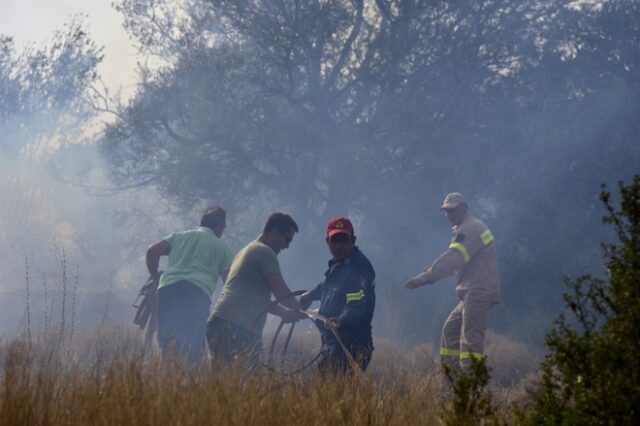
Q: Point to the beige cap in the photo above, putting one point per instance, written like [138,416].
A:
[453,200]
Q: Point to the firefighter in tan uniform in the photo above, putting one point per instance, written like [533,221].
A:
[471,256]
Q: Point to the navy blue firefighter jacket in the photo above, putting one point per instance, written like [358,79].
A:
[348,293]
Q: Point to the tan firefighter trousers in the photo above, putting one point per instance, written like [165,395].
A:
[463,333]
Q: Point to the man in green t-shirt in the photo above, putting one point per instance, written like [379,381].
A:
[197,258]
[235,326]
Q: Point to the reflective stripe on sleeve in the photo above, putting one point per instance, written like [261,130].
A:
[462,249]
[449,352]
[467,355]
[352,297]
[486,237]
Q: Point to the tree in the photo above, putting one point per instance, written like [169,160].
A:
[42,90]
[591,374]
[377,109]
[42,108]
[337,80]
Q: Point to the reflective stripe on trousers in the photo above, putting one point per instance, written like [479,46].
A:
[462,355]
[463,332]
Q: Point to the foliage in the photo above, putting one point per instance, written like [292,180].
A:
[46,217]
[471,402]
[377,109]
[592,373]
[42,90]
[43,110]
[368,87]
[270,87]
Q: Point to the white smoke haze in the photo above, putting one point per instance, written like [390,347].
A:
[45,218]
[52,223]
[527,121]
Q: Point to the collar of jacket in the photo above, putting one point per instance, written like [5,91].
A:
[467,217]
[347,260]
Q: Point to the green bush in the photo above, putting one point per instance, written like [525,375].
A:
[592,373]
[471,402]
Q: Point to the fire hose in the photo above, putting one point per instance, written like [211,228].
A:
[146,305]
[146,317]
[315,316]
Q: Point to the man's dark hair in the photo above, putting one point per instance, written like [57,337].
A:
[280,221]
[212,216]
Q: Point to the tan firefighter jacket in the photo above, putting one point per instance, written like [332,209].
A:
[471,256]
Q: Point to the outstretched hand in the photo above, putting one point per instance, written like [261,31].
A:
[412,283]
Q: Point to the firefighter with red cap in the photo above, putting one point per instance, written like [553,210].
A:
[347,301]
[471,257]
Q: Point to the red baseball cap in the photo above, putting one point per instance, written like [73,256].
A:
[339,225]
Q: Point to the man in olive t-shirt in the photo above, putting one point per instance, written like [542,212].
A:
[235,327]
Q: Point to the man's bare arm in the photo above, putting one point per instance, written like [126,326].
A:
[281,291]
[161,248]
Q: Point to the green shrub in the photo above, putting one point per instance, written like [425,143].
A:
[592,373]
[471,402]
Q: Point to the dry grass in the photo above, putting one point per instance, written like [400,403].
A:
[130,389]
[106,378]
[510,361]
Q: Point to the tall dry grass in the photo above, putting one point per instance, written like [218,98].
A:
[106,378]
[134,389]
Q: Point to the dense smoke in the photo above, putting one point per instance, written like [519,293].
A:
[371,109]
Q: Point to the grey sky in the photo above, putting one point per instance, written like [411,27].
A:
[34,21]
